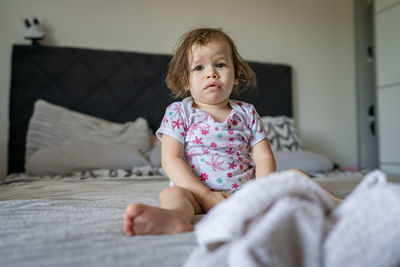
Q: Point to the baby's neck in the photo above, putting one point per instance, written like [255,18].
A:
[218,112]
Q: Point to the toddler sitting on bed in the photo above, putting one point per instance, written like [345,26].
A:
[207,138]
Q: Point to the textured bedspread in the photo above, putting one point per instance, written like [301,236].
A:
[74,222]
[77,220]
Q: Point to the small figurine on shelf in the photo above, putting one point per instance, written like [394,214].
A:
[33,30]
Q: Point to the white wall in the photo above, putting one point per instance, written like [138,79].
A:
[315,37]
[387,22]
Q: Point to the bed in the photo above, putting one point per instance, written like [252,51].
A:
[81,149]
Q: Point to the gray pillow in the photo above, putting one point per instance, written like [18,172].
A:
[282,133]
[155,155]
[307,161]
[55,126]
[71,157]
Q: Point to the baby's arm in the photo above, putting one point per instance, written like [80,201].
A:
[263,158]
[173,163]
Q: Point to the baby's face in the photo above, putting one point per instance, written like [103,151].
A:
[211,73]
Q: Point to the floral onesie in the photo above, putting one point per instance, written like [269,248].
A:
[219,153]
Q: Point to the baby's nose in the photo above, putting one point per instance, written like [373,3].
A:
[212,74]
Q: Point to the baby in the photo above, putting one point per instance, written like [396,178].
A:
[211,145]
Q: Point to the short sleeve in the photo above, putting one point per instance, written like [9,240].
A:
[255,125]
[173,123]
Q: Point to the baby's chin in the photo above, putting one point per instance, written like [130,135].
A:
[208,103]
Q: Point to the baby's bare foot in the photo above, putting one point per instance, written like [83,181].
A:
[147,220]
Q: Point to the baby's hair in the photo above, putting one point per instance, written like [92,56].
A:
[178,70]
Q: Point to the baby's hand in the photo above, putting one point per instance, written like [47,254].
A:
[211,199]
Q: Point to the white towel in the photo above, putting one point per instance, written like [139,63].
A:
[286,219]
[275,221]
[367,232]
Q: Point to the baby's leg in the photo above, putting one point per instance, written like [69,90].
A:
[175,215]
[331,195]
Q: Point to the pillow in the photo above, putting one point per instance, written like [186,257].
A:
[281,133]
[55,126]
[307,161]
[72,157]
[155,154]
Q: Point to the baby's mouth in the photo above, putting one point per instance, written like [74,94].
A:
[212,86]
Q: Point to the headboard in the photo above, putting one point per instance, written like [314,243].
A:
[113,85]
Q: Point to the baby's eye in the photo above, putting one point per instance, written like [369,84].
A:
[220,65]
[198,68]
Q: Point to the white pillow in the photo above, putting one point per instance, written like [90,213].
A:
[54,126]
[307,161]
[282,133]
[69,158]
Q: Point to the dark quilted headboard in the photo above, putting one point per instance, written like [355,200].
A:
[113,85]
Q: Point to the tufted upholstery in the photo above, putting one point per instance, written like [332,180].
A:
[113,85]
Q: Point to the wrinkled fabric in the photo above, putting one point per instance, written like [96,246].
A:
[286,219]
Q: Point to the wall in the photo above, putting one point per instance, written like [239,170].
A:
[315,37]
[387,22]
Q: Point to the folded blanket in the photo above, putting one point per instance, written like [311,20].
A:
[288,220]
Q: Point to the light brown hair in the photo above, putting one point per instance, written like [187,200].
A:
[178,70]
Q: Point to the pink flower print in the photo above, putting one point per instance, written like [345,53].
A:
[193,166]
[205,151]
[204,131]
[229,175]
[234,122]
[227,144]
[178,108]
[208,126]
[215,165]
[203,177]
[198,141]
[213,145]
[231,139]
[195,126]
[232,165]
[230,151]
[176,124]
[239,103]
[241,166]
[230,132]
[235,186]
[216,128]
[183,133]
[193,156]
